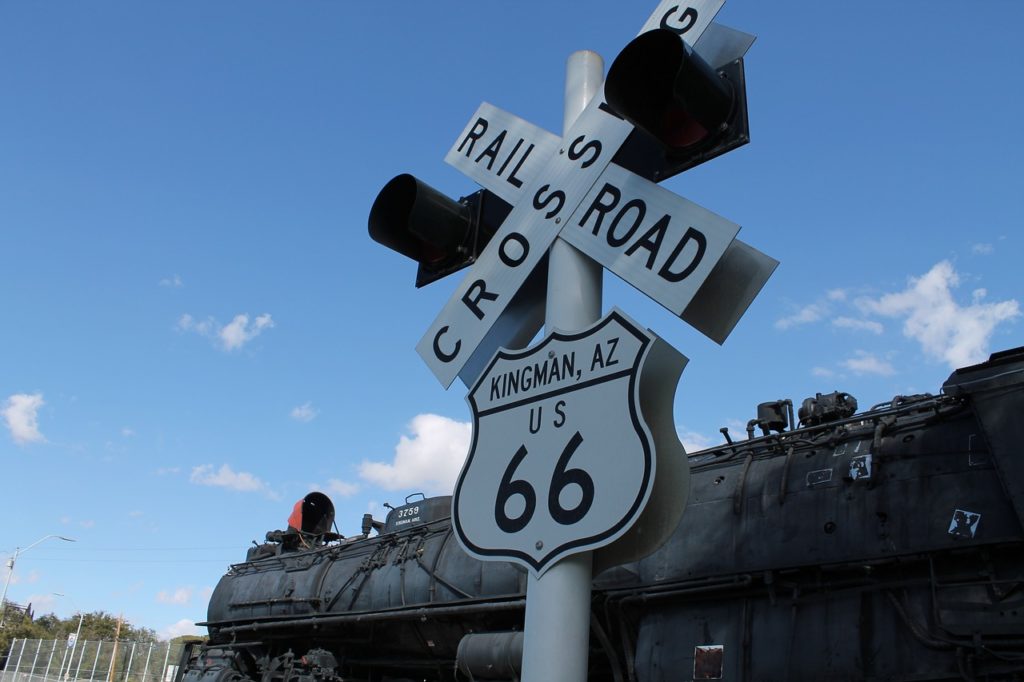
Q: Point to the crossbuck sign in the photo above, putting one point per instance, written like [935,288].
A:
[685,257]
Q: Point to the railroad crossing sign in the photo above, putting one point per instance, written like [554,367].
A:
[570,437]
[685,257]
[563,457]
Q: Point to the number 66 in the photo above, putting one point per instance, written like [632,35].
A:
[560,479]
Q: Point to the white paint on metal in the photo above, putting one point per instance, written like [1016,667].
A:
[688,19]
[521,242]
[720,45]
[502,152]
[562,458]
[661,243]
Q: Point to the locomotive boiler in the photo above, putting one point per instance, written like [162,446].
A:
[833,544]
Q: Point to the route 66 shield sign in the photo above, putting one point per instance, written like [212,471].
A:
[562,459]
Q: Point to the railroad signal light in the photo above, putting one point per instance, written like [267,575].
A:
[442,235]
[689,111]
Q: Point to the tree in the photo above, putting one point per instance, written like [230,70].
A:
[98,625]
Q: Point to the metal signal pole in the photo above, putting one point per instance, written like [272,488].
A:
[557,628]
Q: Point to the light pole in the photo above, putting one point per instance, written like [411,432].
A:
[74,643]
[10,570]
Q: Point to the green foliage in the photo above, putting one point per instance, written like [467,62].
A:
[187,639]
[98,625]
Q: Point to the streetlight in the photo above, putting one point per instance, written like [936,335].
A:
[74,643]
[10,570]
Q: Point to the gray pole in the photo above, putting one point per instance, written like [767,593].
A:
[35,657]
[96,661]
[74,646]
[557,628]
[49,661]
[7,664]
[145,670]
[10,570]
[131,659]
[78,670]
[167,656]
[21,652]
[7,583]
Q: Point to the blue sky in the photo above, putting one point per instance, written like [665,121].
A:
[197,330]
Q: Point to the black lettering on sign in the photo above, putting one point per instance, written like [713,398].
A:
[577,151]
[540,204]
[700,241]
[540,415]
[686,19]
[512,179]
[631,217]
[641,210]
[600,360]
[508,488]
[472,302]
[651,241]
[440,354]
[560,411]
[562,479]
[612,344]
[512,155]
[508,255]
[610,195]
[474,134]
[491,152]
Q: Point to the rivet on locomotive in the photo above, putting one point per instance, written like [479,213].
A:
[886,544]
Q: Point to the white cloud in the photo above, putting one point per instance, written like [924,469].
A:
[127,432]
[41,602]
[174,281]
[181,595]
[226,477]
[982,249]
[20,414]
[187,323]
[693,441]
[946,330]
[136,514]
[86,523]
[822,372]
[342,488]
[164,471]
[231,336]
[836,294]
[239,332]
[809,313]
[21,577]
[866,363]
[858,325]
[304,412]
[182,627]
[429,460]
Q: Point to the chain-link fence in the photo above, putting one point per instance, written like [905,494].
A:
[39,660]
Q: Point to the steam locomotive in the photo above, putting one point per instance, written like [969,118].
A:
[886,544]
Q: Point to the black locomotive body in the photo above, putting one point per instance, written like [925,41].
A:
[881,545]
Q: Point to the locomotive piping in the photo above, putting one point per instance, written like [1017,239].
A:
[371,616]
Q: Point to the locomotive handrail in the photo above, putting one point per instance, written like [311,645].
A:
[490,604]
